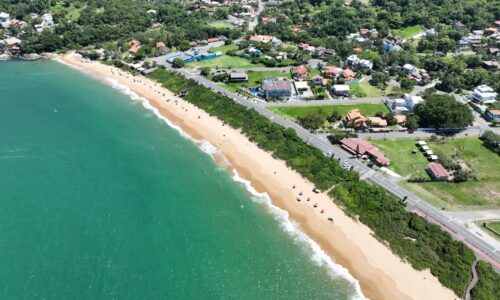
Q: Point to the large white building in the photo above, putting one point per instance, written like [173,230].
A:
[4,19]
[484,94]
[404,106]
[47,22]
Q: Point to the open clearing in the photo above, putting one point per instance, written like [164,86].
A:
[408,32]
[481,193]
[292,112]
[224,62]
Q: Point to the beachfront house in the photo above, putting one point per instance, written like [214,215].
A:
[361,147]
[437,172]
[484,94]
[276,88]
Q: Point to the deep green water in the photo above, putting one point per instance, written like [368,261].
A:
[100,199]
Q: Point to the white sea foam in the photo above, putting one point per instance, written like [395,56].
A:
[319,256]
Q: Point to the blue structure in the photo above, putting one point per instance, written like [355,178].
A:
[190,56]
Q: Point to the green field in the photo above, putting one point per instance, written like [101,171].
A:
[224,48]
[224,62]
[481,193]
[292,112]
[256,78]
[364,89]
[494,227]
[71,12]
[408,32]
[221,24]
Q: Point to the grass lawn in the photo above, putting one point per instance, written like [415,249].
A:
[480,193]
[312,72]
[292,112]
[224,48]
[256,78]
[224,62]
[221,24]
[409,31]
[364,89]
[235,89]
[71,13]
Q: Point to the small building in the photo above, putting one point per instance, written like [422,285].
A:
[437,172]
[359,146]
[484,94]
[377,121]
[331,71]
[348,74]
[135,45]
[400,119]
[493,114]
[238,77]
[403,106]
[342,90]
[276,88]
[421,143]
[317,79]
[433,157]
[212,40]
[300,72]
[354,118]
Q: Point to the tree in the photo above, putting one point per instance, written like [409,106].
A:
[407,84]
[391,120]
[205,71]
[335,116]
[441,111]
[313,120]
[412,122]
[491,141]
[178,63]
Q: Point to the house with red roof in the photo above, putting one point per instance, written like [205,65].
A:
[354,119]
[331,71]
[359,146]
[437,171]
[348,74]
[300,72]
[135,45]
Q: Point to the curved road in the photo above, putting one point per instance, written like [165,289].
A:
[482,248]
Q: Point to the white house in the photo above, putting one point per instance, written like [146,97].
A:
[404,106]
[484,94]
[354,61]
[4,19]
[47,22]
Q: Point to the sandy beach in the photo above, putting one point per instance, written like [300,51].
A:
[381,274]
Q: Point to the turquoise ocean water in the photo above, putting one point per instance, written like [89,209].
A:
[100,199]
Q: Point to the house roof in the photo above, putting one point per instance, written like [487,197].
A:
[438,170]
[160,45]
[494,111]
[276,84]
[301,70]
[348,73]
[361,147]
[212,40]
[377,121]
[354,115]
[400,118]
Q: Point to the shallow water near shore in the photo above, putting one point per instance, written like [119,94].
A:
[100,199]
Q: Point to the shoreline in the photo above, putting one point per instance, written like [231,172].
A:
[381,274]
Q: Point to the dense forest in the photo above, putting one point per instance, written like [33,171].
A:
[421,243]
[103,21]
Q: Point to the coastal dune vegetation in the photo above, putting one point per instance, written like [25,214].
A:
[424,245]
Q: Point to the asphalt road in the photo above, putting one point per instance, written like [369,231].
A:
[481,247]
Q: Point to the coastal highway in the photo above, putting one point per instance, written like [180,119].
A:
[481,247]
